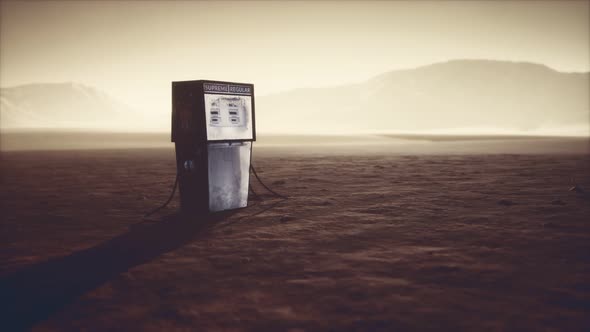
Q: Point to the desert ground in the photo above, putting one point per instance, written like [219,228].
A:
[452,236]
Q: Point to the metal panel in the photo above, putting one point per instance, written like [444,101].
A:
[229,165]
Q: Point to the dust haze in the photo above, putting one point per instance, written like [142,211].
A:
[318,67]
[424,166]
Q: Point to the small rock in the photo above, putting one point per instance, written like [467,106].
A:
[577,189]
[255,197]
[505,202]
[286,218]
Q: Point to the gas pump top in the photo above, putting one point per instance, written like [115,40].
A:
[212,111]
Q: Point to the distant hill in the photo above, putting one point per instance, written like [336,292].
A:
[502,97]
[452,95]
[63,105]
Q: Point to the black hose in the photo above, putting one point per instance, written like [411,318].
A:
[167,202]
[251,189]
[264,185]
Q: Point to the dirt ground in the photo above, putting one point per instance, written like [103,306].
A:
[375,242]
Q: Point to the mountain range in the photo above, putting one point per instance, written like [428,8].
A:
[516,96]
[482,94]
[64,106]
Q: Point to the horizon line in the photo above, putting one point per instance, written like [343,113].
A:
[514,62]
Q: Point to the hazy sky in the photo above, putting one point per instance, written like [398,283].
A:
[133,50]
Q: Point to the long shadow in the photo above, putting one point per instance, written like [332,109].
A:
[33,294]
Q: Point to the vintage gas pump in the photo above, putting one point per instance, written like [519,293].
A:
[213,129]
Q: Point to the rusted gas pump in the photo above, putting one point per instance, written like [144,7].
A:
[213,129]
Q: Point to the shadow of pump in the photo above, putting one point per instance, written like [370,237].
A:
[34,293]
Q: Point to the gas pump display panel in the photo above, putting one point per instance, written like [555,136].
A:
[228,111]
[228,117]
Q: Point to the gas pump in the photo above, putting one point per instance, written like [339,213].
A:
[213,129]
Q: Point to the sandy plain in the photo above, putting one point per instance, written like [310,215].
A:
[372,238]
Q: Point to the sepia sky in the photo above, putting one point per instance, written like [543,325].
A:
[133,50]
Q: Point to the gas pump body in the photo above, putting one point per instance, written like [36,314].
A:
[213,129]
